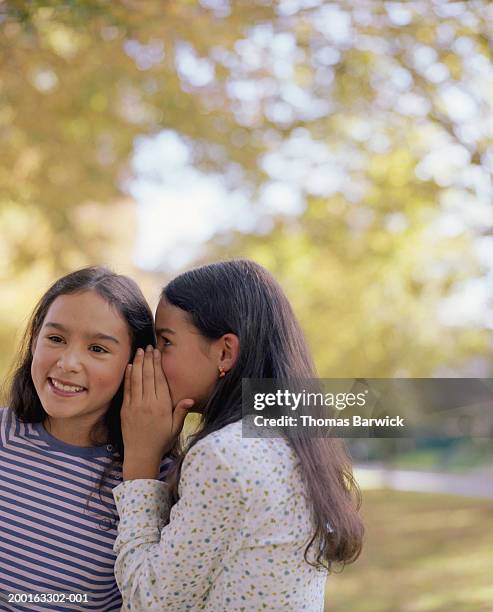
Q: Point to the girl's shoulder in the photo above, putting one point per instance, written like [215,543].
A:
[232,446]
[6,416]
[14,433]
[9,418]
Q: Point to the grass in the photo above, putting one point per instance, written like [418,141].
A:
[422,553]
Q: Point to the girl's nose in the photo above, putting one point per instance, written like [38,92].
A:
[69,361]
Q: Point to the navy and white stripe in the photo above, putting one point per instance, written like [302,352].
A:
[56,530]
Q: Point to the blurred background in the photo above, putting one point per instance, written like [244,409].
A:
[347,146]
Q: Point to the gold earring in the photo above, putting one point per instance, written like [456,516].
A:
[222,373]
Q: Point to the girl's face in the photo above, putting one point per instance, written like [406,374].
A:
[189,361]
[79,357]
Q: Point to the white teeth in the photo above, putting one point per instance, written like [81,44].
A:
[68,388]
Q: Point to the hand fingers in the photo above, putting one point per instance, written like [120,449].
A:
[127,388]
[179,414]
[148,390]
[136,376]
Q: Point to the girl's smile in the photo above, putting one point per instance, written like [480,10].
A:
[65,389]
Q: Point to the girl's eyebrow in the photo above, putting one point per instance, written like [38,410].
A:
[97,335]
[166,330]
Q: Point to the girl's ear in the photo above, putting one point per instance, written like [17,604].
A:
[229,351]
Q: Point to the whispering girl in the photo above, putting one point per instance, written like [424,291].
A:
[244,523]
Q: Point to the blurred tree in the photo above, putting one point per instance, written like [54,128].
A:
[387,148]
[373,119]
[79,81]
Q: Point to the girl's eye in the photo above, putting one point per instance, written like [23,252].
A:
[165,341]
[55,339]
[98,349]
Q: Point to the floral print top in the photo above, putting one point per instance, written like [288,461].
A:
[235,540]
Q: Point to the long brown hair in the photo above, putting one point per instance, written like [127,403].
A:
[241,297]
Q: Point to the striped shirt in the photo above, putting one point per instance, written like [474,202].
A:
[56,531]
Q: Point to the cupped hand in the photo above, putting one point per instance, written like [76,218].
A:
[150,424]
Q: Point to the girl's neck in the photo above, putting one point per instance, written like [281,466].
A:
[77,434]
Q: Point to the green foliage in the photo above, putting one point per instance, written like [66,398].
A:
[80,81]
[344,102]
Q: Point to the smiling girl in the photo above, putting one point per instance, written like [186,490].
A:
[61,445]
[255,523]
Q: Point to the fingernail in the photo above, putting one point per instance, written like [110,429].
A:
[140,351]
[156,353]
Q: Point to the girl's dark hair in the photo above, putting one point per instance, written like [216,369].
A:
[242,298]
[125,296]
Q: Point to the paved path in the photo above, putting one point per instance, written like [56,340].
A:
[477,483]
